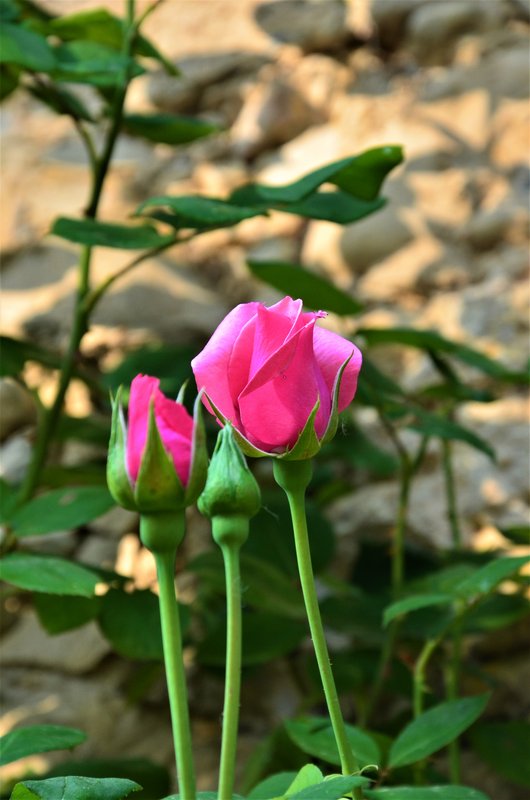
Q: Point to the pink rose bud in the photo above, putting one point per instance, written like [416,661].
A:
[158,461]
[278,378]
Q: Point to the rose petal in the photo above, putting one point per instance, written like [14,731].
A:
[210,367]
[175,426]
[331,351]
[142,389]
[277,402]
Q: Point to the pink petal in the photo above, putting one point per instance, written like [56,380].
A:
[331,351]
[210,367]
[173,421]
[277,402]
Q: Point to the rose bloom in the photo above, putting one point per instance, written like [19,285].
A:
[264,370]
[173,421]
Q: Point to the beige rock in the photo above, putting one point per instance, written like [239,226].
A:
[15,456]
[310,24]
[17,408]
[510,138]
[273,113]
[363,243]
[73,652]
[434,28]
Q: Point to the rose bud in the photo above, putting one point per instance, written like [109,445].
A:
[157,462]
[278,378]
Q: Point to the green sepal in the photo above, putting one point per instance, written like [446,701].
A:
[199,454]
[333,423]
[247,447]
[231,489]
[158,487]
[118,479]
[307,445]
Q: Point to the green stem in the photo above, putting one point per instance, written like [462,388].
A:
[450,493]
[452,690]
[398,551]
[233,671]
[294,477]
[175,675]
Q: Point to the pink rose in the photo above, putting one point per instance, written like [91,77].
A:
[174,424]
[265,370]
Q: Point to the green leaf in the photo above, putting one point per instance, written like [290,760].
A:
[360,176]
[430,340]
[153,777]
[316,292]
[24,742]
[8,11]
[487,577]
[75,788]
[430,424]
[435,728]
[9,80]
[425,793]
[265,636]
[330,789]
[61,509]
[520,534]
[193,211]
[314,735]
[273,786]
[170,363]
[168,128]
[61,101]
[95,430]
[413,603]
[105,234]
[98,25]
[56,616]
[309,775]
[49,574]
[505,747]
[131,622]
[336,207]
[92,63]
[15,353]
[20,46]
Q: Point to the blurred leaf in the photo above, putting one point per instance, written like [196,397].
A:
[354,447]
[430,424]
[360,176]
[413,603]
[167,128]
[336,207]
[55,476]
[15,353]
[9,79]
[430,340]
[265,637]
[152,777]
[8,500]
[131,622]
[505,747]
[271,536]
[425,793]
[487,577]
[375,384]
[24,742]
[456,391]
[105,234]
[194,211]
[170,363]
[75,788]
[61,509]
[357,614]
[98,25]
[498,611]
[20,46]
[48,574]
[316,292]
[95,430]
[56,616]
[273,786]
[60,100]
[314,735]
[92,63]
[520,534]
[8,11]
[435,728]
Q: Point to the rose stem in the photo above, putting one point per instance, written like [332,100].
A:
[175,675]
[293,477]
[230,553]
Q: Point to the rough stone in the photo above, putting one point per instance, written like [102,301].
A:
[74,652]
[310,24]
[15,455]
[18,408]
[434,28]
[390,18]
[274,112]
[509,147]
